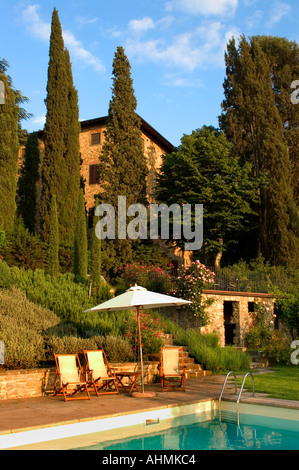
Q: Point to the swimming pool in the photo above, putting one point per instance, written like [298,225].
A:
[210,435]
[255,432]
[192,426]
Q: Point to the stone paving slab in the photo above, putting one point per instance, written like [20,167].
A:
[32,413]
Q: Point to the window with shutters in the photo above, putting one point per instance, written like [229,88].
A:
[94,177]
[95,139]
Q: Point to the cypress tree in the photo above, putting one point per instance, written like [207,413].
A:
[80,242]
[27,182]
[54,170]
[9,146]
[61,163]
[53,247]
[72,154]
[96,258]
[283,58]
[252,122]
[123,166]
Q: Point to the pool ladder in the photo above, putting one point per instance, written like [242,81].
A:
[233,416]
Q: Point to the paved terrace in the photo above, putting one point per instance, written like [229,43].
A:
[35,413]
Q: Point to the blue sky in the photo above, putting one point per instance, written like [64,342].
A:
[175,48]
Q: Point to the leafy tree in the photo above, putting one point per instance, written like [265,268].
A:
[23,248]
[2,237]
[27,182]
[123,167]
[252,122]
[53,248]
[9,146]
[80,243]
[202,170]
[61,163]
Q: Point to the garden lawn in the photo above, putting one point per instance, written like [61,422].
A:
[282,382]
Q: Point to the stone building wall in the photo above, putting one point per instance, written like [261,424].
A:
[90,154]
[230,330]
[241,317]
[155,146]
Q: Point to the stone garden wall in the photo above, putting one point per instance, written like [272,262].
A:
[16,384]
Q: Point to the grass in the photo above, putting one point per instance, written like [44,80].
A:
[281,382]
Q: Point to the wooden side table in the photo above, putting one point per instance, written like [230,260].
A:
[132,376]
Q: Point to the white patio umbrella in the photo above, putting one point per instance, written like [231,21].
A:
[139,298]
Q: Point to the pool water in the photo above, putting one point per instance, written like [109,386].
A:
[213,435]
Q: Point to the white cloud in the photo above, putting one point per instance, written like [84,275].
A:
[78,51]
[84,20]
[189,51]
[278,11]
[114,32]
[180,53]
[42,31]
[204,7]
[255,19]
[36,26]
[183,82]
[39,120]
[141,26]
[166,22]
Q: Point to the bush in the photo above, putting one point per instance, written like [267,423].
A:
[189,285]
[151,331]
[277,348]
[287,306]
[117,349]
[21,329]
[61,294]
[151,277]
[274,344]
[205,350]
[2,237]
[32,334]
[21,248]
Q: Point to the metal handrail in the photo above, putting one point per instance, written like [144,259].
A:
[241,389]
[240,392]
[223,387]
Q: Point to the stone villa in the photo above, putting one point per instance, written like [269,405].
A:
[231,311]
[92,137]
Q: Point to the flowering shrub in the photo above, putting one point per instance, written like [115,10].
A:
[191,281]
[260,327]
[149,276]
[151,332]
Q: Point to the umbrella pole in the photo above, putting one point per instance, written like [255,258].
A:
[140,349]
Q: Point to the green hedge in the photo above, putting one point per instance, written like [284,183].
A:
[205,350]
[61,294]
[31,334]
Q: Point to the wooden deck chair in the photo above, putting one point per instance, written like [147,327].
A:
[172,369]
[69,378]
[99,373]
